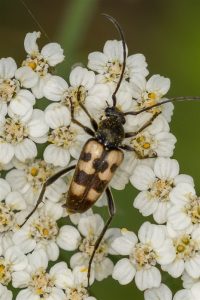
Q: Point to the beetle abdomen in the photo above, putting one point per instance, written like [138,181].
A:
[94,170]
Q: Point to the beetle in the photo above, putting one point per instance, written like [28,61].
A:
[101,155]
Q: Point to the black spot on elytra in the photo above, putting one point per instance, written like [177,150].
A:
[99,185]
[83,178]
[100,165]
[86,156]
[113,168]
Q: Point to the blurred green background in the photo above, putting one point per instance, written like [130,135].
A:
[167,32]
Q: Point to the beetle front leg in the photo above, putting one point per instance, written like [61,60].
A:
[49,181]
[85,128]
[147,124]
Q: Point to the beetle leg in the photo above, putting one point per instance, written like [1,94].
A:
[92,120]
[129,148]
[85,128]
[147,124]
[111,210]
[49,181]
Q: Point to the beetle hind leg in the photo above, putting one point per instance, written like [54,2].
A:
[111,210]
[49,181]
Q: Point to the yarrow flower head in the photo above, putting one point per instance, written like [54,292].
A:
[37,148]
[14,84]
[41,62]
[29,177]
[156,184]
[152,247]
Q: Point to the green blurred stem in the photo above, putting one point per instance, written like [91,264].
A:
[76,20]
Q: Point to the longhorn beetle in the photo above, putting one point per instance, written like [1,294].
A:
[101,155]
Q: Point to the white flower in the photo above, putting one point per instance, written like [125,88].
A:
[90,227]
[11,203]
[73,282]
[65,138]
[10,261]
[147,93]
[17,136]
[155,185]
[29,178]
[42,231]
[153,247]
[109,63]
[36,282]
[188,281]
[154,141]
[41,62]
[185,210]
[187,247]
[160,293]
[5,294]
[13,88]
[83,89]
[188,294]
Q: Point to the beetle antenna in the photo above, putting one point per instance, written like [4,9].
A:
[182,98]
[34,19]
[116,24]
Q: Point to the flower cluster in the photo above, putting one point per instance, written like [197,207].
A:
[172,244]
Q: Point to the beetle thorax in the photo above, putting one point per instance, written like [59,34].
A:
[110,132]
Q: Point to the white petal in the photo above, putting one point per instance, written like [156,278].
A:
[79,259]
[22,103]
[158,84]
[30,43]
[53,53]
[37,126]
[25,150]
[6,153]
[142,178]
[82,77]
[16,258]
[4,189]
[69,238]
[176,268]
[160,293]
[125,244]
[15,201]
[39,87]
[38,259]
[5,294]
[56,156]
[195,290]
[27,294]
[184,295]
[192,266]
[57,115]
[145,203]
[147,279]
[52,251]
[103,269]
[97,61]
[7,68]
[26,76]
[166,253]
[21,239]
[179,195]
[113,50]
[166,168]
[124,271]
[153,234]
[91,225]
[54,88]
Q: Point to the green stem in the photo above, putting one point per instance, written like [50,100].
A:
[73,28]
